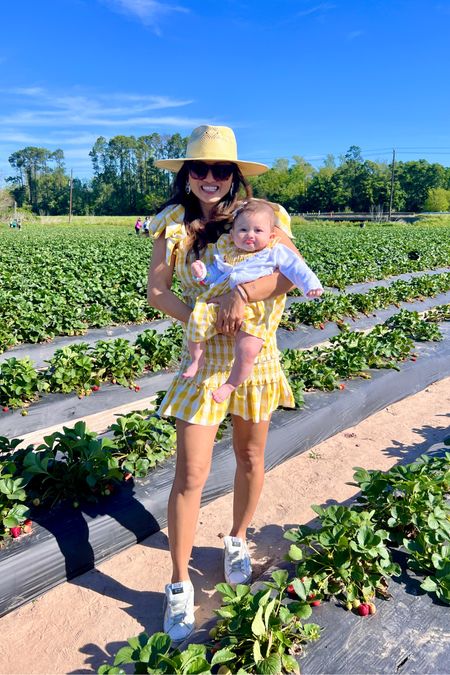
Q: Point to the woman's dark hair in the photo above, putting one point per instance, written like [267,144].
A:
[200,231]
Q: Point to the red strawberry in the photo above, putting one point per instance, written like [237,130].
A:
[5,408]
[363,609]
[137,388]
[311,595]
[315,603]
[342,386]
[291,590]
[27,526]
[95,387]
[413,358]
[321,326]
[15,532]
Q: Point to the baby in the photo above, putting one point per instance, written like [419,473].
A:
[250,251]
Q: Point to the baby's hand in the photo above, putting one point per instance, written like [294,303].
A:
[314,293]
[198,270]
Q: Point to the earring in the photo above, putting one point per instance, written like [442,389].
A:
[188,188]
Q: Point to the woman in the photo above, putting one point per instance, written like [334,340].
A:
[208,187]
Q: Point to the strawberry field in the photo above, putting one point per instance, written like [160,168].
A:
[361,346]
[62,280]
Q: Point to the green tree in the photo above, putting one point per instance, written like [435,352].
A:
[37,182]
[438,199]
[417,178]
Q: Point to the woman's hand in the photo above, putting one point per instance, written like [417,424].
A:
[230,312]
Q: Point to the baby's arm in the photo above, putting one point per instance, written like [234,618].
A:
[297,271]
[199,270]
[206,275]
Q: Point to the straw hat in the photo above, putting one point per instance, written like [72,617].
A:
[213,144]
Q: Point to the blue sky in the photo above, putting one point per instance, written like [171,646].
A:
[292,77]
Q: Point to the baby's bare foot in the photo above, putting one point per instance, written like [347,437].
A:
[191,370]
[222,393]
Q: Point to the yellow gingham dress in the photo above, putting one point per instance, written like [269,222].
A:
[257,316]
[190,399]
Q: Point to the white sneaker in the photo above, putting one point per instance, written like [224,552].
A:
[236,561]
[179,618]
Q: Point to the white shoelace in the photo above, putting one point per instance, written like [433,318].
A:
[177,611]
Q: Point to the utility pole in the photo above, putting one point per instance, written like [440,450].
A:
[391,196]
[70,195]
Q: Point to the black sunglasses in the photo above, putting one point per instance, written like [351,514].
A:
[199,170]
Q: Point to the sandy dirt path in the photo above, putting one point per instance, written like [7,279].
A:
[78,625]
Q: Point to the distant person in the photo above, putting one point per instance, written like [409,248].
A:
[138,226]
[146,226]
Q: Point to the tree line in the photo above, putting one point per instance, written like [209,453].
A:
[126,181]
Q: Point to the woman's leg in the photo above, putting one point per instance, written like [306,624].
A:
[249,440]
[194,451]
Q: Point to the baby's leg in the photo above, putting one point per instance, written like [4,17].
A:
[197,353]
[246,350]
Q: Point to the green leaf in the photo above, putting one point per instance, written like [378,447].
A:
[290,665]
[226,589]
[280,577]
[258,627]
[223,656]
[428,584]
[295,553]
[124,655]
[257,656]
[303,610]
[268,611]
[270,666]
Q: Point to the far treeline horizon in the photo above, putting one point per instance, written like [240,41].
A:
[125,180]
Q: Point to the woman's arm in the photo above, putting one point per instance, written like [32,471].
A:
[160,276]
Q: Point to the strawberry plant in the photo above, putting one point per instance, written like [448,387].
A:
[261,632]
[162,350]
[72,369]
[118,361]
[429,555]
[143,441]
[345,557]
[72,464]
[333,307]
[13,511]
[414,326]
[438,314]
[405,497]
[19,382]
[155,654]
[411,502]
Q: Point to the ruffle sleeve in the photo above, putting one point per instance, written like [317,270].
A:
[170,221]
[283,219]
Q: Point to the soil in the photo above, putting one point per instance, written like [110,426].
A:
[77,626]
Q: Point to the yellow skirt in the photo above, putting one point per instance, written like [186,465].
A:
[190,399]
